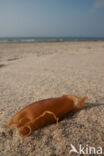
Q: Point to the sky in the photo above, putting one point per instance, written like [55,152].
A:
[50,18]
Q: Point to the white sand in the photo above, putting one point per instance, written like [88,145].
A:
[29,72]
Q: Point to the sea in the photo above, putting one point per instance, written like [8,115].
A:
[11,40]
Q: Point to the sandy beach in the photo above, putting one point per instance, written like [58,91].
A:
[30,72]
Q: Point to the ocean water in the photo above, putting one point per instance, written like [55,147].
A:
[46,39]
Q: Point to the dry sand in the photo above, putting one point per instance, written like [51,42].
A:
[29,72]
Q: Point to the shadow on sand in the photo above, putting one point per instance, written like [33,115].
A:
[90,105]
[2,65]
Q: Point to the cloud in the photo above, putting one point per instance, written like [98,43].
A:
[99,3]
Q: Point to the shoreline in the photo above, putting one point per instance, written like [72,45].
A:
[53,42]
[48,39]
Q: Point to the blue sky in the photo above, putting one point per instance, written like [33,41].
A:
[52,18]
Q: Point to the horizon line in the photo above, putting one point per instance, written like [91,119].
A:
[51,37]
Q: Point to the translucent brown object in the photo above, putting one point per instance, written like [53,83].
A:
[44,112]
